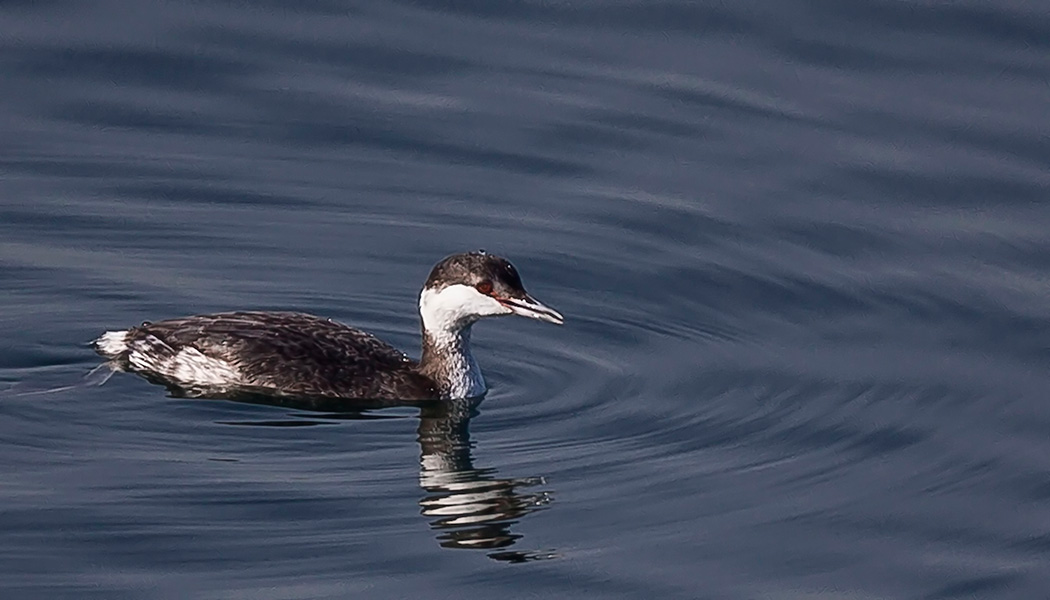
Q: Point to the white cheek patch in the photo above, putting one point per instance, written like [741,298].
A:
[454,307]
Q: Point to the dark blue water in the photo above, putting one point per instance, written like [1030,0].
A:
[802,249]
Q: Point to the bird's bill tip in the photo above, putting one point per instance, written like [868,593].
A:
[534,309]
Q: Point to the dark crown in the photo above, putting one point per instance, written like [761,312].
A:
[474,268]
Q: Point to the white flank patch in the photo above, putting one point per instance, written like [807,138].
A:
[187,366]
[194,367]
[112,343]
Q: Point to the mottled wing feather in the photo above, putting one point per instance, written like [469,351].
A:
[294,353]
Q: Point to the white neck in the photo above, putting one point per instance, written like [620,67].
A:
[447,317]
[452,365]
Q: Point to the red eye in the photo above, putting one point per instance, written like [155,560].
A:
[485,287]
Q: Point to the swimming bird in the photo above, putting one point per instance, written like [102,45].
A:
[296,354]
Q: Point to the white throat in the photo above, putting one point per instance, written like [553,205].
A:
[447,316]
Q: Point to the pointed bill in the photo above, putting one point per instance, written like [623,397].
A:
[532,308]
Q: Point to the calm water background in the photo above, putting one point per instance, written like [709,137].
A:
[802,248]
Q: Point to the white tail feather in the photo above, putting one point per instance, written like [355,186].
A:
[112,343]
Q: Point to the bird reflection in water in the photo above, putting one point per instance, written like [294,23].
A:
[469,507]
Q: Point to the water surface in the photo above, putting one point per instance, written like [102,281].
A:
[801,249]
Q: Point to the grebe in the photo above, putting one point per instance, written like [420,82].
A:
[294,354]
